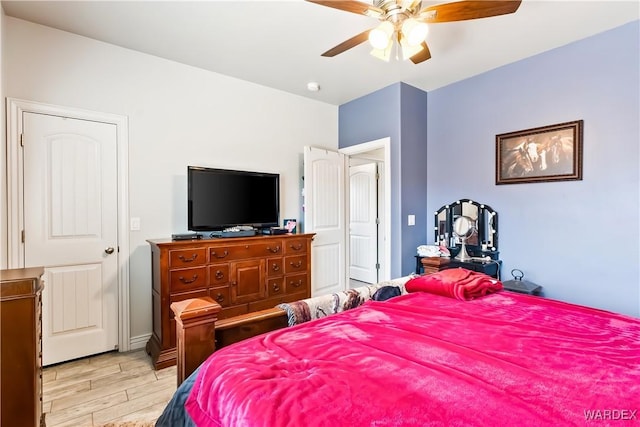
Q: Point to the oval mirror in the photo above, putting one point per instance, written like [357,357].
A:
[463,227]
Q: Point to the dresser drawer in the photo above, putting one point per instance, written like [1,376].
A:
[218,274]
[295,246]
[274,267]
[183,258]
[188,279]
[252,250]
[221,295]
[296,283]
[295,264]
[276,287]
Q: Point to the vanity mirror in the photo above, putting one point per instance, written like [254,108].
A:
[463,228]
[468,227]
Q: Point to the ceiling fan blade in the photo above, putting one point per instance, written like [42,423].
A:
[347,44]
[358,7]
[421,56]
[465,10]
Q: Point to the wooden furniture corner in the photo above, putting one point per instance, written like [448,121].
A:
[433,264]
[21,347]
[199,333]
[195,325]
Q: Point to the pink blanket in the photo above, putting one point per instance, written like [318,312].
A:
[425,360]
[455,283]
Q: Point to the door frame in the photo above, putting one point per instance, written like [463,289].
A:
[15,196]
[384,235]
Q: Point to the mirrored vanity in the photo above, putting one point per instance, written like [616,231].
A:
[469,230]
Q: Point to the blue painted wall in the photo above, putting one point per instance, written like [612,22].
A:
[399,112]
[578,239]
[413,173]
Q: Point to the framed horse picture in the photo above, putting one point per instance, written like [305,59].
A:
[543,154]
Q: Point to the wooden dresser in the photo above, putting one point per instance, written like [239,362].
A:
[21,347]
[243,274]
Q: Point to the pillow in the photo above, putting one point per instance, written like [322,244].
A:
[457,283]
[386,292]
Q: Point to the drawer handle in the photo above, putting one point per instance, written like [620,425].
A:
[219,274]
[183,259]
[273,250]
[187,281]
[296,284]
[296,264]
[224,254]
[275,267]
[276,288]
[234,283]
[296,247]
[220,297]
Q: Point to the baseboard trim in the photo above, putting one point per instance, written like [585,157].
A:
[138,342]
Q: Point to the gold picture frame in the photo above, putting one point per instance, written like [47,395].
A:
[543,154]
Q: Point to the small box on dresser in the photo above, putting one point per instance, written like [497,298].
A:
[433,264]
[242,274]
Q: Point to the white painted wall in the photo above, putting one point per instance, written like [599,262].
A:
[3,153]
[178,116]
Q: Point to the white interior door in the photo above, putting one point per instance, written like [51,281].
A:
[324,187]
[70,228]
[363,223]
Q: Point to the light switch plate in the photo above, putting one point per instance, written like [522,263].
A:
[411,220]
[134,224]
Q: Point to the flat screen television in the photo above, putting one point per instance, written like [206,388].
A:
[221,198]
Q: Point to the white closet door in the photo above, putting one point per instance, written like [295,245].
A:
[70,205]
[363,223]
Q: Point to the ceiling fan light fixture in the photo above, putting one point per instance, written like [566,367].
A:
[408,50]
[372,13]
[384,54]
[414,32]
[406,4]
[380,36]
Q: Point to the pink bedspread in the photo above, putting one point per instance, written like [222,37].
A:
[426,360]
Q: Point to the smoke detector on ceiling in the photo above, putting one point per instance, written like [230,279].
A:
[313,86]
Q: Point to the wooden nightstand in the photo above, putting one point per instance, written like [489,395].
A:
[430,265]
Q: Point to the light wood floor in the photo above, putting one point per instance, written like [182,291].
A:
[109,388]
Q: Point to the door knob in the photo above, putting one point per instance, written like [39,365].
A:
[109,250]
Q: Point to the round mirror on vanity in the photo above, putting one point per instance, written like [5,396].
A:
[463,228]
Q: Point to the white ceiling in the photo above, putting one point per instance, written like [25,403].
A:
[278,43]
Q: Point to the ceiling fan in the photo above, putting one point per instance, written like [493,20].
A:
[405,21]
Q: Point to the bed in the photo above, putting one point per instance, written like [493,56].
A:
[431,357]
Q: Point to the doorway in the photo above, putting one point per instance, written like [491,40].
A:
[326,212]
[368,244]
[68,206]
